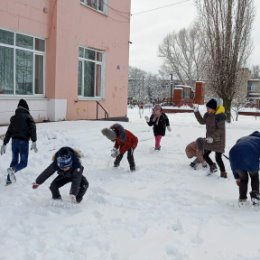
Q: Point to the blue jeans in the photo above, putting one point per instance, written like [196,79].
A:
[19,148]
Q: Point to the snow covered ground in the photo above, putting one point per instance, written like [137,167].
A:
[163,211]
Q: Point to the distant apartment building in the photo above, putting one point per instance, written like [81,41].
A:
[253,90]
[68,59]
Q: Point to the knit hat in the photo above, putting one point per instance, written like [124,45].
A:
[157,107]
[109,133]
[64,158]
[212,104]
[23,103]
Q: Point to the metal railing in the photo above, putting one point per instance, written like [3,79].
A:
[105,111]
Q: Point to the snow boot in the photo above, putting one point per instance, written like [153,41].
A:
[204,165]
[132,168]
[194,164]
[11,174]
[8,182]
[213,168]
[79,199]
[223,175]
[255,197]
[57,198]
[243,202]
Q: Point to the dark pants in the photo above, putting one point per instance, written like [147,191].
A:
[20,152]
[243,176]
[60,181]
[20,148]
[130,158]
[218,157]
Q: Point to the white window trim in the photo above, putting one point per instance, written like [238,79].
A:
[42,53]
[102,82]
[105,12]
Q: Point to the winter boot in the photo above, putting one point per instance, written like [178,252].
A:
[213,168]
[132,168]
[255,197]
[11,174]
[193,164]
[79,199]
[157,148]
[57,198]
[204,165]
[243,202]
[8,182]
[223,175]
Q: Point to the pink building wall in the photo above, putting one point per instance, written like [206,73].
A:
[67,25]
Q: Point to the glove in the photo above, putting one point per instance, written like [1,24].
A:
[3,149]
[238,182]
[114,152]
[147,119]
[34,147]
[196,108]
[209,140]
[73,199]
[35,185]
[169,128]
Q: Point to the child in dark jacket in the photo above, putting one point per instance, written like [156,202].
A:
[21,130]
[244,161]
[159,121]
[66,162]
[125,141]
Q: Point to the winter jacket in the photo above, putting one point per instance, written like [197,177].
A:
[159,124]
[22,126]
[195,149]
[215,128]
[75,173]
[245,154]
[124,144]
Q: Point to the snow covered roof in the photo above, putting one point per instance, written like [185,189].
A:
[182,86]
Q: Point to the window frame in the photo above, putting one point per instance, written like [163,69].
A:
[102,63]
[105,9]
[34,52]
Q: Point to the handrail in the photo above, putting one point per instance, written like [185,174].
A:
[106,113]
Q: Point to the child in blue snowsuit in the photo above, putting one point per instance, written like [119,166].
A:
[66,162]
[244,161]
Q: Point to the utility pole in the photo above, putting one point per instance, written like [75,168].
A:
[171,84]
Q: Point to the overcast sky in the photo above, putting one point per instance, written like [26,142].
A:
[149,29]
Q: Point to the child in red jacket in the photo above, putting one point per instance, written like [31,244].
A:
[125,141]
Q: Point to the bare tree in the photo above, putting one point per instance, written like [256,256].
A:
[183,55]
[146,87]
[240,98]
[136,84]
[226,26]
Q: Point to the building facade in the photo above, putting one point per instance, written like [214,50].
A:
[68,59]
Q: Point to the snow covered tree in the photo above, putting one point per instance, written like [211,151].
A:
[146,87]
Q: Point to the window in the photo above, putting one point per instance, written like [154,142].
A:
[90,67]
[95,4]
[251,86]
[21,64]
